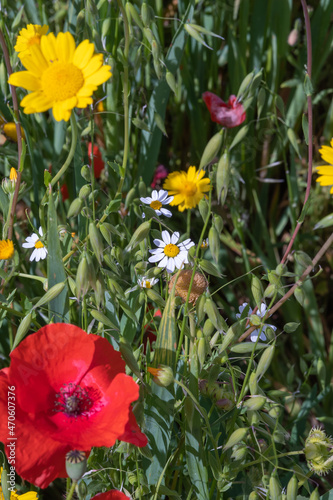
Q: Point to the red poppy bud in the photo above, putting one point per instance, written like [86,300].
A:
[229,115]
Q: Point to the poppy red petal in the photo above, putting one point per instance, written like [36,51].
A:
[228,115]
[111,495]
[132,433]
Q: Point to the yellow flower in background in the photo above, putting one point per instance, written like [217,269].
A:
[13,174]
[187,188]
[29,36]
[326,171]
[6,249]
[9,129]
[31,495]
[60,75]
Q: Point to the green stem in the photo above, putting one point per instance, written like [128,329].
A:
[71,151]
[71,491]
[6,225]
[126,93]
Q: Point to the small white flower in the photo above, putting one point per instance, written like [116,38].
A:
[157,199]
[33,241]
[261,313]
[147,282]
[168,254]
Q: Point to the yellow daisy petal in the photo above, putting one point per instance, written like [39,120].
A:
[101,76]
[48,45]
[35,103]
[83,54]
[325,169]
[36,59]
[65,47]
[83,102]
[325,180]
[62,109]
[327,154]
[31,35]
[94,64]
[24,79]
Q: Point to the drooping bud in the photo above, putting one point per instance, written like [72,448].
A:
[211,150]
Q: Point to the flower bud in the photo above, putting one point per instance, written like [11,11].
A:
[146,14]
[318,452]
[81,282]
[223,178]
[96,241]
[237,436]
[211,150]
[85,172]
[75,208]
[84,192]
[292,488]
[275,490]
[131,10]
[76,464]
[257,290]
[163,375]
[214,243]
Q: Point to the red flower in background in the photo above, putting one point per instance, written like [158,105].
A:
[229,115]
[111,495]
[98,160]
[71,392]
[160,173]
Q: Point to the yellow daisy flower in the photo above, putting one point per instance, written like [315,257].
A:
[9,129]
[187,188]
[29,36]
[326,171]
[60,75]
[6,249]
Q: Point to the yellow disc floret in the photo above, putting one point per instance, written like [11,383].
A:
[155,205]
[171,250]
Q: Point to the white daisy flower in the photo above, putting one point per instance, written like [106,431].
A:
[147,282]
[261,313]
[33,241]
[157,199]
[168,254]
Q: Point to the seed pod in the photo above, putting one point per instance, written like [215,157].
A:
[22,329]
[146,16]
[275,490]
[218,223]
[142,188]
[315,495]
[237,436]
[202,350]
[257,290]
[127,353]
[300,295]
[292,488]
[81,281]
[84,191]
[270,291]
[200,304]
[139,235]
[255,403]
[76,464]
[149,35]
[99,292]
[253,384]
[171,81]
[75,208]
[131,10]
[51,294]
[85,172]
[211,150]
[213,314]
[223,178]
[131,195]
[214,243]
[275,411]
[208,328]
[96,242]
[265,360]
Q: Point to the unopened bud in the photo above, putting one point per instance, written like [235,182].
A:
[75,208]
[211,150]
[96,241]
[163,375]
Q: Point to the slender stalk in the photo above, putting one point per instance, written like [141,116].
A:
[306,273]
[310,122]
[71,491]
[18,133]
[126,93]
[71,151]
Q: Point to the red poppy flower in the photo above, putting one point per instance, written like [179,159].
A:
[111,495]
[71,392]
[64,192]
[230,114]
[98,160]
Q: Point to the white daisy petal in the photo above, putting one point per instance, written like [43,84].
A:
[170,265]
[163,262]
[156,257]
[147,200]
[159,243]
[165,212]
[154,195]
[175,237]
[166,237]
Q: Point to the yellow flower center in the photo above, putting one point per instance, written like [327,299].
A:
[156,205]
[61,81]
[148,285]
[171,250]
[39,244]
[189,188]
